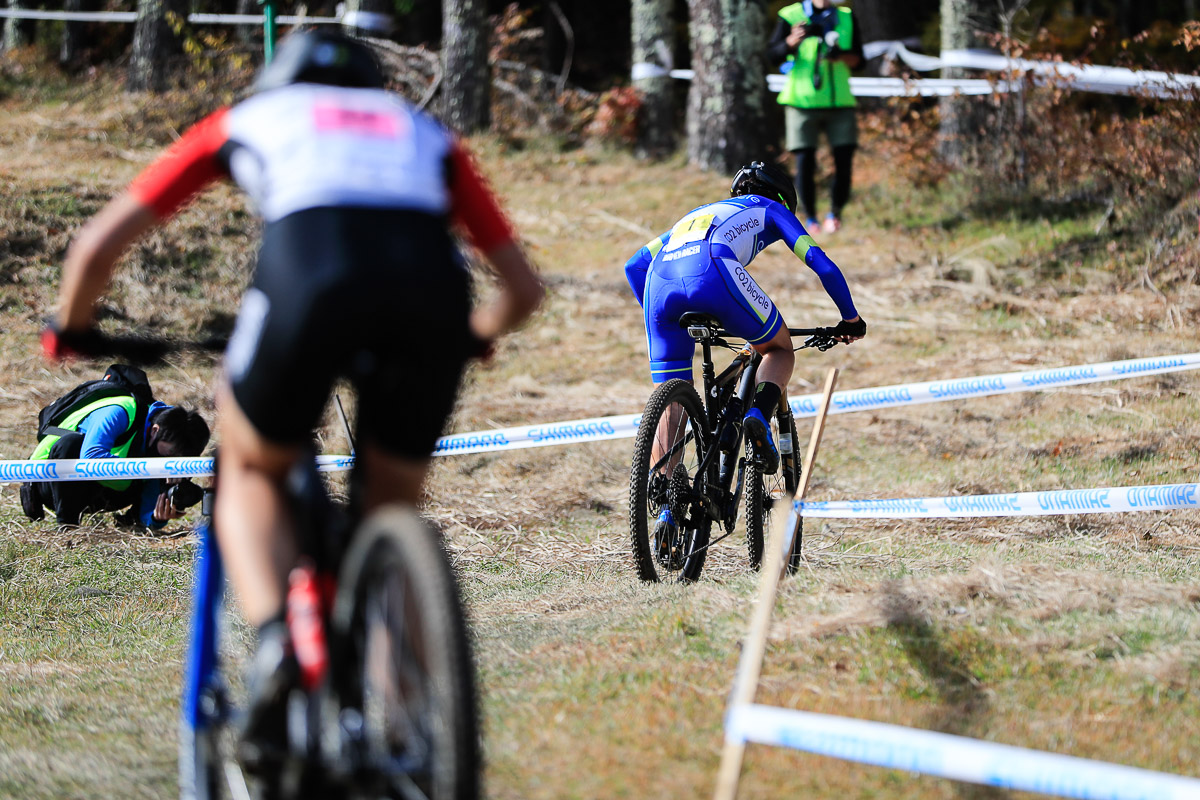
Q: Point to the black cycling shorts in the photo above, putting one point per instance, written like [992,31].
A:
[380,296]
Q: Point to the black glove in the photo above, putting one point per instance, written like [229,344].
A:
[856,329]
[59,345]
[184,495]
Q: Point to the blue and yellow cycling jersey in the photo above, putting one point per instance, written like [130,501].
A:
[700,265]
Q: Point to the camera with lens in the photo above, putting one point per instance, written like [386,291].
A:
[184,495]
[822,23]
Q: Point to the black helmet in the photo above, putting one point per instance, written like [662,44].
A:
[766,180]
[328,57]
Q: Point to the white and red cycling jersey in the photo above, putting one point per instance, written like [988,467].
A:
[309,146]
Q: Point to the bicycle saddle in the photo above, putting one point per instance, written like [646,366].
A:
[692,318]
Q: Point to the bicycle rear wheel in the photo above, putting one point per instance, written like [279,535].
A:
[765,492]
[405,662]
[671,443]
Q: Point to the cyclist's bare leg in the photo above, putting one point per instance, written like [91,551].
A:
[672,427]
[778,359]
[391,479]
[253,523]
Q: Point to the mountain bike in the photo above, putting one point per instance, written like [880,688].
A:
[392,711]
[385,706]
[688,456]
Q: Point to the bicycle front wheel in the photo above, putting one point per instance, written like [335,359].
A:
[766,492]
[671,443]
[406,665]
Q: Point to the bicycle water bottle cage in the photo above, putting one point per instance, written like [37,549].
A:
[700,326]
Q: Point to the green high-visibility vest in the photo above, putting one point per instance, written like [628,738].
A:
[798,89]
[71,423]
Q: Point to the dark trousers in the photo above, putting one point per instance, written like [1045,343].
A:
[71,499]
[806,179]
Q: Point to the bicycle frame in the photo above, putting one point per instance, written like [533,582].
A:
[726,397]
[203,703]
[735,382]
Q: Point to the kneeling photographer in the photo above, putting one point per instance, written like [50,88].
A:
[116,417]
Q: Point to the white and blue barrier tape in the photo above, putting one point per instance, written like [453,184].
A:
[625,426]
[955,757]
[104,469]
[195,19]
[1084,78]
[1110,500]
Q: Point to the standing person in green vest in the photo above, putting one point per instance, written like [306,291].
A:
[818,45]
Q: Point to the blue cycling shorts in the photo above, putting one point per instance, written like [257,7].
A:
[705,278]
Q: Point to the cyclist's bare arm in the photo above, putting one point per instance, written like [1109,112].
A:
[520,293]
[475,207]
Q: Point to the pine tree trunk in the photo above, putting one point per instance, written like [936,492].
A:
[727,120]
[956,131]
[17,32]
[155,44]
[653,42]
[466,81]
[72,37]
[247,34]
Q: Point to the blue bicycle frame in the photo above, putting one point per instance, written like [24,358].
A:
[202,683]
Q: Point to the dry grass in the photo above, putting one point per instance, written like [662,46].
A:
[1075,634]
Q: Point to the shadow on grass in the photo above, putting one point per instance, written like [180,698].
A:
[964,704]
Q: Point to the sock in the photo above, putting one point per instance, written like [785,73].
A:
[275,620]
[766,398]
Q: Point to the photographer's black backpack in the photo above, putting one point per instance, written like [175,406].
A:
[120,380]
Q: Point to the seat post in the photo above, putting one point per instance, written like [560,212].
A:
[710,375]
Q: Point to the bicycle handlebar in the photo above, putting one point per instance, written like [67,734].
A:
[136,349]
[820,338]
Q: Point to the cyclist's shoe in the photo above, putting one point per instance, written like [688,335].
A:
[272,675]
[664,535]
[31,502]
[758,434]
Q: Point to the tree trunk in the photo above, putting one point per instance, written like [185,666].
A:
[72,38]
[957,129]
[466,85]
[653,43]
[246,34]
[17,32]
[155,43]
[727,119]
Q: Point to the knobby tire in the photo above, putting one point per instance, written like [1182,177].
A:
[647,492]
[766,493]
[398,588]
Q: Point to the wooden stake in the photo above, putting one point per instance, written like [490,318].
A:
[780,547]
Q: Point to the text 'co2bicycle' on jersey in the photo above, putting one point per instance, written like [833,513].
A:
[688,456]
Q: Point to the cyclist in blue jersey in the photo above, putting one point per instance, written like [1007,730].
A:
[700,266]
